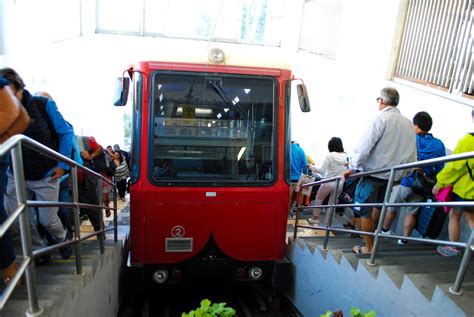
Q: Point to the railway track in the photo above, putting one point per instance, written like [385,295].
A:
[248,299]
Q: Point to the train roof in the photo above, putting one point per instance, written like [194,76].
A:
[250,56]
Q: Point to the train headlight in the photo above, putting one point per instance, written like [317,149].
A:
[216,56]
[255,273]
[160,276]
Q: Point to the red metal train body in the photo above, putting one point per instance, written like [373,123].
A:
[209,168]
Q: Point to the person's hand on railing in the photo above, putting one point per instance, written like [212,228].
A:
[57,173]
[347,173]
[86,156]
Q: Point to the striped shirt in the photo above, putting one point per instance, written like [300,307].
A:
[121,172]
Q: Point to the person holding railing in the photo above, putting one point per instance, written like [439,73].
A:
[388,141]
[65,194]
[14,120]
[334,165]
[42,174]
[88,184]
[460,175]
[298,165]
[428,147]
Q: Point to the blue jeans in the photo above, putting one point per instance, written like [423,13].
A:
[7,254]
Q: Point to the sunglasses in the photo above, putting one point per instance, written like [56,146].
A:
[378,99]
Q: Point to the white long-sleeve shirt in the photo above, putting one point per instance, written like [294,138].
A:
[390,140]
[334,165]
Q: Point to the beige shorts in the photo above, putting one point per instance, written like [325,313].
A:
[402,194]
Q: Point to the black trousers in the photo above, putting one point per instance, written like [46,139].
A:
[122,187]
[88,195]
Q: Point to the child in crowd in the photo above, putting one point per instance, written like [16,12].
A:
[428,147]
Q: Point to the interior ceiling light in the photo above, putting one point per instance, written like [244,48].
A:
[198,110]
[216,56]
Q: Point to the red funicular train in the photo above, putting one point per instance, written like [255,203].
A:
[210,167]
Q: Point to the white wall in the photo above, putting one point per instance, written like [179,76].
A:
[343,91]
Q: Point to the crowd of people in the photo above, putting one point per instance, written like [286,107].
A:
[392,139]
[37,116]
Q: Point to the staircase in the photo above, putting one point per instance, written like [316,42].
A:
[408,280]
[62,292]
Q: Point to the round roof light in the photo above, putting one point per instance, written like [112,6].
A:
[216,56]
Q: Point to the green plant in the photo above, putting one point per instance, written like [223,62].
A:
[355,312]
[208,310]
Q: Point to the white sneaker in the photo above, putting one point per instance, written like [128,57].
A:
[389,232]
[402,242]
[312,221]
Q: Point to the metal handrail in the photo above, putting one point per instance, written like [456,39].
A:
[456,289]
[26,267]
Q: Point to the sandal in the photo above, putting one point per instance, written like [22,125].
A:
[358,249]
[8,273]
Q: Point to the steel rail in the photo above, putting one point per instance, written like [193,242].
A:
[14,145]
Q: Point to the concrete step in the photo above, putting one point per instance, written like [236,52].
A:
[58,285]
[19,307]
[408,280]
[347,243]
[386,248]
[396,260]
[397,272]
[50,291]
[427,283]
[464,301]
[342,247]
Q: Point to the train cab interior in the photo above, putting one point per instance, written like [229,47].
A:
[213,128]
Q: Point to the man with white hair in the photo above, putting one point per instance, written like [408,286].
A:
[389,140]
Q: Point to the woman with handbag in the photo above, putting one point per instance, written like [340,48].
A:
[14,120]
[460,175]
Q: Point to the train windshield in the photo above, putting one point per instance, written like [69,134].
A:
[213,129]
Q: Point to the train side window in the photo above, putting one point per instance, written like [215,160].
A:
[136,126]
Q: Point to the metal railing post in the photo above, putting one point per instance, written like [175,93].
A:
[456,288]
[101,219]
[75,212]
[115,215]
[331,214]
[17,162]
[14,146]
[386,199]
[297,214]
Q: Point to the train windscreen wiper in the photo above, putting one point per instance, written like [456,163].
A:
[218,89]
